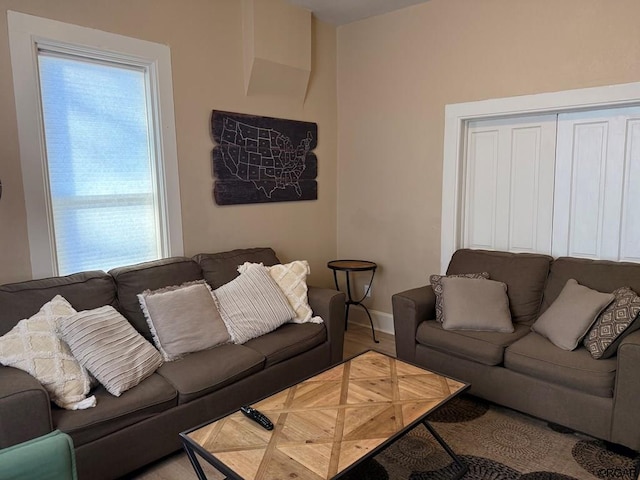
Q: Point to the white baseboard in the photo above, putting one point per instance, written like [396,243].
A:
[382,321]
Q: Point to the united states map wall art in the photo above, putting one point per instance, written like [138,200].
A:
[263,159]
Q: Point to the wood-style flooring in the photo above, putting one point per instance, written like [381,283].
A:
[177,467]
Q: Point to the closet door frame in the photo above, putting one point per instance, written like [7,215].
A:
[458,115]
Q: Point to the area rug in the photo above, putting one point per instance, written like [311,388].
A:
[498,444]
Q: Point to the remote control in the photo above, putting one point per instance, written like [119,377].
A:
[257,417]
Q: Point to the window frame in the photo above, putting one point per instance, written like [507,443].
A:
[26,33]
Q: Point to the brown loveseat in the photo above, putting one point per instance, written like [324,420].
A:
[523,370]
[124,433]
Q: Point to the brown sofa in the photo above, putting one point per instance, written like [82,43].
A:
[124,433]
[523,370]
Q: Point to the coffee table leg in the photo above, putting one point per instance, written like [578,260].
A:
[457,460]
[194,461]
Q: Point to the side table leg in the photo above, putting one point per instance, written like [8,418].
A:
[373,330]
[346,314]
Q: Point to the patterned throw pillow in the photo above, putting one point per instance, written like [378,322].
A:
[436,284]
[253,304]
[616,321]
[292,280]
[33,346]
[109,347]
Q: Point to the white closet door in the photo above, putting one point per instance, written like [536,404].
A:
[597,165]
[508,192]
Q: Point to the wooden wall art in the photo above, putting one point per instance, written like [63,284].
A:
[263,159]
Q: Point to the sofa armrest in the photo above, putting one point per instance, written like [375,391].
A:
[410,308]
[330,305]
[626,415]
[25,409]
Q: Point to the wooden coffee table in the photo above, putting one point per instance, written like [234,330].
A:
[327,424]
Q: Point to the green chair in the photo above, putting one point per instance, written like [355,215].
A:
[50,457]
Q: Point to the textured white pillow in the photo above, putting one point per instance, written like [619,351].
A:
[33,346]
[292,280]
[109,347]
[253,304]
[183,319]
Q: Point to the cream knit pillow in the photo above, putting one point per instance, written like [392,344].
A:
[33,346]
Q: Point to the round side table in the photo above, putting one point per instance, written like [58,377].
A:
[349,266]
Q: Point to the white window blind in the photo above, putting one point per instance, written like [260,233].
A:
[100,162]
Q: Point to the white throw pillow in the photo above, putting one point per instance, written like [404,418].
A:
[34,347]
[183,319]
[292,280]
[253,304]
[109,347]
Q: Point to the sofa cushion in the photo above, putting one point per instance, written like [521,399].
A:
[483,347]
[150,397]
[617,321]
[83,291]
[524,273]
[106,344]
[436,285]
[537,357]
[134,279]
[253,304]
[221,268]
[566,322]
[183,319]
[288,341]
[203,372]
[601,275]
[475,304]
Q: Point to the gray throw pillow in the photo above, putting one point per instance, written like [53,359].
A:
[436,284]
[106,344]
[253,304]
[615,322]
[183,319]
[570,316]
[475,304]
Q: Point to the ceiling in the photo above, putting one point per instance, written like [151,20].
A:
[340,12]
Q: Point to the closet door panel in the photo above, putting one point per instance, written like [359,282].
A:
[597,163]
[480,195]
[508,201]
[630,232]
[531,187]
[587,189]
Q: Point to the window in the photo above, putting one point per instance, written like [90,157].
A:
[97,144]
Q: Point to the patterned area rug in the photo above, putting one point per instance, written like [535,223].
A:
[498,444]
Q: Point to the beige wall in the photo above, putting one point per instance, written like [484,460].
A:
[205,37]
[396,73]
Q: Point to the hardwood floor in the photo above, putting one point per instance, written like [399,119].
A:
[357,339]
